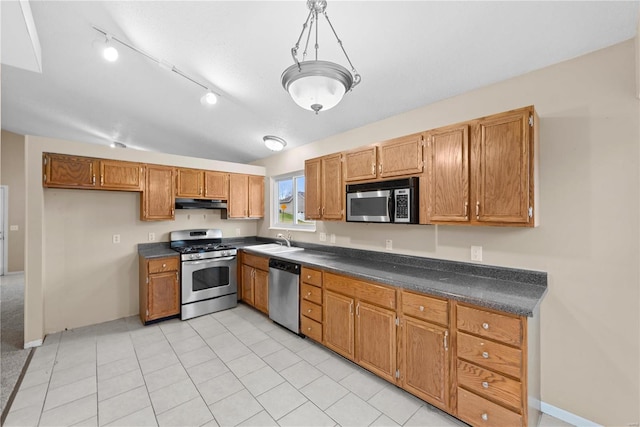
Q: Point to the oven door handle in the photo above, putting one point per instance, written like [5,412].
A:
[207,261]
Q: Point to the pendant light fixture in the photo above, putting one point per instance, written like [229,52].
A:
[317,85]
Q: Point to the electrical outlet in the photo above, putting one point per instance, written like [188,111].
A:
[476,253]
[152,237]
[323,237]
[238,232]
[116,238]
[332,238]
[13,228]
[388,244]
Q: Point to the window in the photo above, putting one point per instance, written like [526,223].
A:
[287,202]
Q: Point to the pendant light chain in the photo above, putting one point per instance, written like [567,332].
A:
[353,69]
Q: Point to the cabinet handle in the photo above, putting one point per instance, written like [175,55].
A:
[358,309]
[177,277]
[308,276]
[309,328]
[485,326]
[351,308]
[446,340]
[373,168]
[485,384]
[485,354]
[101,179]
[164,265]
[477,210]
[308,294]
[309,311]
[93,180]
[466,209]
[380,168]
[318,210]
[421,308]
[484,417]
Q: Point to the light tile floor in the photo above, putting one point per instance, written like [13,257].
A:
[229,368]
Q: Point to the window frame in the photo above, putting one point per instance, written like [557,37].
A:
[274,203]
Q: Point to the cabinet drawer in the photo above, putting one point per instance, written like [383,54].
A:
[311,293]
[425,308]
[311,328]
[477,411]
[312,277]
[491,325]
[311,310]
[490,354]
[163,264]
[375,294]
[261,263]
[490,384]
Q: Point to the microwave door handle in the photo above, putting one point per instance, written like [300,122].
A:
[391,205]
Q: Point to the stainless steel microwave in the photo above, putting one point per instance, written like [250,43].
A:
[384,201]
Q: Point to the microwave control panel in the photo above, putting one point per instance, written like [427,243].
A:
[402,205]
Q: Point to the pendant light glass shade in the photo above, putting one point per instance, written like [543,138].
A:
[317,85]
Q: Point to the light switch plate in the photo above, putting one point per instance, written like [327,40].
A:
[116,238]
[323,237]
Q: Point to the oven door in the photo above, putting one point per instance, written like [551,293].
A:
[208,278]
[370,206]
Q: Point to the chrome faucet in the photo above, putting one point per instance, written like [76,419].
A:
[286,239]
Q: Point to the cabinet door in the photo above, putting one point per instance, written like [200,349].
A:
[163,295]
[158,200]
[261,290]
[448,172]
[216,185]
[338,324]
[424,369]
[237,206]
[332,188]
[69,171]
[361,164]
[247,284]
[256,196]
[502,159]
[189,183]
[376,340]
[401,156]
[117,175]
[312,189]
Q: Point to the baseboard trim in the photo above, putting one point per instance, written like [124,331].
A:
[566,416]
[36,343]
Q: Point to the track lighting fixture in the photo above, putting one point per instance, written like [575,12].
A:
[111,54]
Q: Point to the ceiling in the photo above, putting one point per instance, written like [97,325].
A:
[408,53]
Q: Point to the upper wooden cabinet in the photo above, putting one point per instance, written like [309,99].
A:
[324,188]
[447,158]
[502,157]
[483,172]
[62,171]
[202,184]
[397,157]
[158,200]
[246,196]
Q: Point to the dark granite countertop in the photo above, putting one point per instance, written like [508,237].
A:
[156,250]
[505,289]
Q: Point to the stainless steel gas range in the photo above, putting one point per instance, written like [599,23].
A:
[208,272]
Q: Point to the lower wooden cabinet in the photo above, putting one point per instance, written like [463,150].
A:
[255,281]
[311,318]
[159,288]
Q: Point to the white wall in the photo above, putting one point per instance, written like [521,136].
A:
[75,275]
[589,236]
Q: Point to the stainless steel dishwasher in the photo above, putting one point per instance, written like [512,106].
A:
[284,294]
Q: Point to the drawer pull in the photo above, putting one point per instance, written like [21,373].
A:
[485,326]
[422,308]
[485,354]
[308,294]
[485,417]
[308,276]
[309,328]
[164,265]
[485,384]
[309,311]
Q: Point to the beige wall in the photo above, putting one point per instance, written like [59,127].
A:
[75,275]
[589,236]
[12,149]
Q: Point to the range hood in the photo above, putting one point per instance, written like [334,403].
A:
[200,204]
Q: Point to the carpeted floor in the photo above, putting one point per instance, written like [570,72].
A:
[12,354]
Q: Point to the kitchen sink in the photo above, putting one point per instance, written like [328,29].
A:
[273,248]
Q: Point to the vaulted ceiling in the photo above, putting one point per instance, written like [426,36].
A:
[408,53]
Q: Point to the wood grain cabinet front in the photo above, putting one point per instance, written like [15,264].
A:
[324,189]
[157,202]
[246,196]
[255,281]
[159,288]
[311,320]
[63,171]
